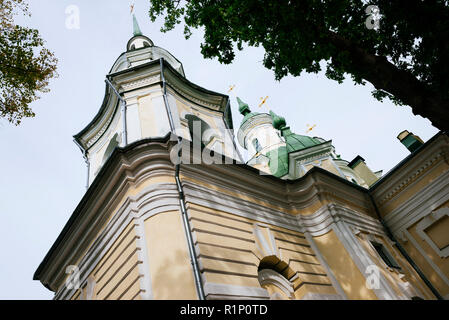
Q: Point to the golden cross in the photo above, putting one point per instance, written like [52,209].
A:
[310,128]
[262,100]
[132,8]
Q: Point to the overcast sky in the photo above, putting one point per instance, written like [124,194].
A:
[44,174]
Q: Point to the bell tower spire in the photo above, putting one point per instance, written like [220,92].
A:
[136,28]
[138,40]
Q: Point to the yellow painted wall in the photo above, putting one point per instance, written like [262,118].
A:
[170,267]
[345,270]
[391,274]
[116,275]
[148,125]
[327,164]
[408,192]
[441,263]
[228,253]
[410,273]
[439,233]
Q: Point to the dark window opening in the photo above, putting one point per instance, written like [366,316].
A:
[385,255]
[257,145]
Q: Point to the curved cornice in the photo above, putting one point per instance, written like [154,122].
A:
[148,158]
[102,194]
[408,172]
[99,124]
[175,81]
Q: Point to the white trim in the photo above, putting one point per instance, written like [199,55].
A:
[428,221]
[228,291]
[144,267]
[361,259]
[429,198]
[271,277]
[321,296]
[426,257]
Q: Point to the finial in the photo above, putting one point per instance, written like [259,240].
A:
[243,107]
[278,121]
[136,28]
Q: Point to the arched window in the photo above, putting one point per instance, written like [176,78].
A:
[274,275]
[257,145]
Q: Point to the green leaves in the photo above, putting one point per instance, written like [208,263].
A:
[25,65]
[406,58]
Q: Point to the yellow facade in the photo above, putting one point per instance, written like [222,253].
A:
[149,228]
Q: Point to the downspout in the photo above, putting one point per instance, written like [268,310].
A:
[228,108]
[403,252]
[185,220]
[123,110]
[86,159]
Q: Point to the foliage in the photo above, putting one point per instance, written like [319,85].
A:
[25,65]
[406,58]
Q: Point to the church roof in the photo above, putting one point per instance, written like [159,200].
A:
[245,111]
[294,142]
[136,28]
[297,142]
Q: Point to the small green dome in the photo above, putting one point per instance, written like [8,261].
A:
[278,121]
[243,107]
[245,111]
[293,141]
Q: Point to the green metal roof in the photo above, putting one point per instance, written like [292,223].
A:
[136,29]
[245,111]
[248,116]
[278,162]
[297,142]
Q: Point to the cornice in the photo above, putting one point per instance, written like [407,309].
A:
[144,158]
[189,90]
[412,171]
[150,158]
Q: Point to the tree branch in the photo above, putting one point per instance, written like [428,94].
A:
[402,84]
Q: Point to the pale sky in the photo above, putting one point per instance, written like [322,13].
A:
[44,173]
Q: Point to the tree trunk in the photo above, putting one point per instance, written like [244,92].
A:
[403,85]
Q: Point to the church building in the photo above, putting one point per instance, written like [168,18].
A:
[172,211]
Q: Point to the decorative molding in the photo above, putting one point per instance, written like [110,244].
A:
[220,291]
[411,172]
[152,200]
[426,257]
[427,222]
[142,82]
[268,248]
[271,277]
[104,127]
[142,254]
[321,296]
[430,197]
